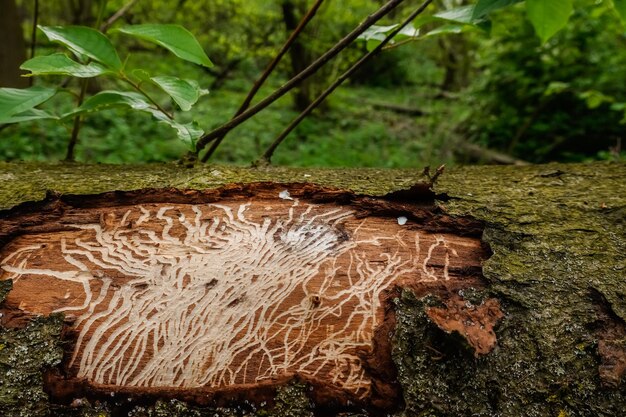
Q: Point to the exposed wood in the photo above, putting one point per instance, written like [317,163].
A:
[205,300]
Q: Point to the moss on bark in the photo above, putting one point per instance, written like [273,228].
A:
[558,236]
[24,355]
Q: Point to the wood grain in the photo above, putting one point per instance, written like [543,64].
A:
[236,293]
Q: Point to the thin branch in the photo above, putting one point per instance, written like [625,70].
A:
[266,73]
[121,12]
[69,156]
[304,74]
[398,44]
[146,95]
[267,156]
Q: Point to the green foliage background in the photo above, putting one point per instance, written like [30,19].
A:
[562,100]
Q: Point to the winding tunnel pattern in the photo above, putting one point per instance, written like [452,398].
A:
[224,294]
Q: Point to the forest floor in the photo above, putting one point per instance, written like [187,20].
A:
[350,130]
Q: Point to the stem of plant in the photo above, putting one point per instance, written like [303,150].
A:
[138,88]
[304,74]
[267,155]
[69,156]
[266,73]
[398,44]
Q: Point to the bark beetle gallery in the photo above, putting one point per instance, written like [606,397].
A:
[229,295]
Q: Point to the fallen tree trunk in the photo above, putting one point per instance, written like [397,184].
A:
[475,152]
[161,290]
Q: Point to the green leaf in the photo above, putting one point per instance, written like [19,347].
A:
[376,32]
[141,75]
[374,35]
[448,29]
[556,87]
[108,99]
[595,99]
[83,40]
[31,114]
[184,92]
[464,14]
[14,100]
[620,7]
[188,132]
[174,38]
[61,64]
[548,17]
[484,7]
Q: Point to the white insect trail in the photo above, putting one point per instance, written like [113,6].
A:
[207,295]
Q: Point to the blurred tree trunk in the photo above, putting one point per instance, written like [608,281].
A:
[293,10]
[12,47]
[455,54]
[455,62]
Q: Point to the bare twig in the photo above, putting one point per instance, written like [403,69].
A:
[267,156]
[121,12]
[266,73]
[304,74]
[69,156]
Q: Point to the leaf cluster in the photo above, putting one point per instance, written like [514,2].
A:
[90,53]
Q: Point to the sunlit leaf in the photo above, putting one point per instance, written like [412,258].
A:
[556,87]
[83,40]
[174,38]
[184,92]
[595,99]
[14,101]
[61,64]
[548,17]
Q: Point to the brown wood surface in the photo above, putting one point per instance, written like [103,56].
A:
[238,293]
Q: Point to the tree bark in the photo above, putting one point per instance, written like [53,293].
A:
[12,47]
[494,291]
